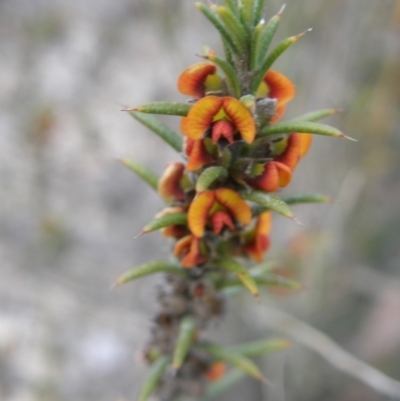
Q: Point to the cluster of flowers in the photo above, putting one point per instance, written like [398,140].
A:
[220,130]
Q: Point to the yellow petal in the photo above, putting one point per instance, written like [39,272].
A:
[198,212]
[200,116]
[236,206]
[241,117]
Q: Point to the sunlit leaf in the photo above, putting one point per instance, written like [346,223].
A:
[159,128]
[151,382]
[147,269]
[184,341]
[143,172]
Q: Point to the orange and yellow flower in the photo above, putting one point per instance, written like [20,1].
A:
[216,371]
[169,185]
[218,209]
[197,153]
[189,250]
[198,79]
[297,146]
[277,86]
[219,117]
[258,241]
[275,175]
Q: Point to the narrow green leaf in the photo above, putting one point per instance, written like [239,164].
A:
[274,280]
[167,220]
[162,130]
[235,359]
[241,272]
[232,79]
[270,59]
[232,5]
[258,10]
[257,348]
[184,341]
[246,13]
[235,29]
[301,127]
[267,33]
[215,389]
[215,20]
[209,175]
[264,267]
[156,373]
[268,201]
[317,115]
[146,269]
[270,280]
[143,172]
[167,108]
[306,198]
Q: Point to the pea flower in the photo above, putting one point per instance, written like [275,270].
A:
[218,209]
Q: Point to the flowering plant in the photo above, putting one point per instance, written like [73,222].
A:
[236,155]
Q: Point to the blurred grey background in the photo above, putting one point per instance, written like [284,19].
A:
[69,211]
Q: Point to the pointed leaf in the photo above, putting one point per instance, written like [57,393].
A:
[214,390]
[232,5]
[162,130]
[171,219]
[156,373]
[306,198]
[257,348]
[235,359]
[260,269]
[258,10]
[166,108]
[231,78]
[184,341]
[241,272]
[317,115]
[246,13]
[269,202]
[267,63]
[149,268]
[213,17]
[234,28]
[301,127]
[143,172]
[265,35]
[270,280]
[209,175]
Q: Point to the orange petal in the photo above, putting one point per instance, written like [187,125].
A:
[279,87]
[200,116]
[257,248]
[268,181]
[264,223]
[192,81]
[182,246]
[169,184]
[198,155]
[284,174]
[174,231]
[305,143]
[241,117]
[198,212]
[232,201]
[194,256]
[219,220]
[216,371]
